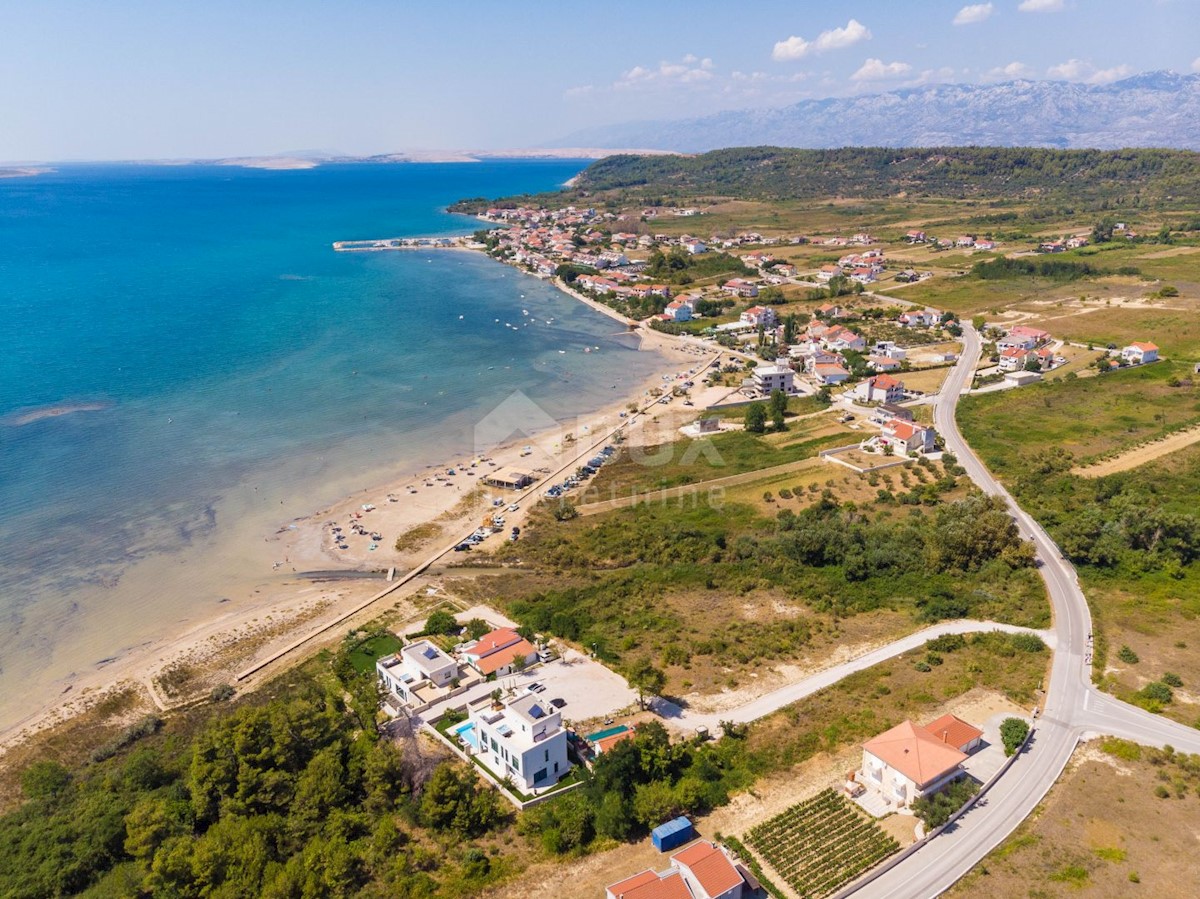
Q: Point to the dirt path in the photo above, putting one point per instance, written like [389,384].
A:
[1140,455]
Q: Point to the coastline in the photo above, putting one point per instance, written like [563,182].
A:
[282,605]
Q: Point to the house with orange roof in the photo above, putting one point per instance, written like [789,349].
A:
[908,762]
[703,870]
[953,731]
[496,652]
[880,389]
[1140,353]
[905,437]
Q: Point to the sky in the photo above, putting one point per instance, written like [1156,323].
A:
[118,79]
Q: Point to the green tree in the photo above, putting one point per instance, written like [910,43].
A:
[646,679]
[1012,733]
[756,418]
[441,622]
[477,627]
[44,779]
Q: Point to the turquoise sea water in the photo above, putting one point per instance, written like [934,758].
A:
[227,348]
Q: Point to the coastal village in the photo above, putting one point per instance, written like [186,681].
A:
[530,712]
[808,350]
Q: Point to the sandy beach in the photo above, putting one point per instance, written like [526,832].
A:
[301,581]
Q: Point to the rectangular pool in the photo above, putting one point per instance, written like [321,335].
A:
[466,733]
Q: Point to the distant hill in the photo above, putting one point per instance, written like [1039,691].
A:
[1155,109]
[1092,178]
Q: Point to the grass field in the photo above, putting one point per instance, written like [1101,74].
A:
[1105,829]
[1087,417]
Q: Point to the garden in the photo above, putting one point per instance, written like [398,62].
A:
[821,844]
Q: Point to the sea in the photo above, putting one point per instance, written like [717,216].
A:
[183,355]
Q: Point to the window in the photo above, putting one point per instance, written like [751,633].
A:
[539,775]
[547,756]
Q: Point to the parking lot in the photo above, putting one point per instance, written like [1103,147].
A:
[589,691]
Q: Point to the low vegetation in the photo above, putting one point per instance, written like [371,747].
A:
[1121,814]
[937,809]
[821,844]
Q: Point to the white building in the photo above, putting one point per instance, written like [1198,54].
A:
[769,378]
[1140,353]
[910,761]
[415,665]
[678,311]
[760,316]
[880,389]
[522,739]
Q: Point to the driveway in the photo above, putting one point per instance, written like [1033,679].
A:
[587,689]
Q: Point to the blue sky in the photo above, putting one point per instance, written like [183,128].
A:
[122,80]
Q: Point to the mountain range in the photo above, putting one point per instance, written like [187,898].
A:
[1153,109]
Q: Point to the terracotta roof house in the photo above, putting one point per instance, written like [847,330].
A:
[709,871]
[649,885]
[953,731]
[494,653]
[703,870]
[908,762]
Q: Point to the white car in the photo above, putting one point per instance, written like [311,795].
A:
[513,508]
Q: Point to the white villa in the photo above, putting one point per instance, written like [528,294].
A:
[910,761]
[522,739]
[880,389]
[416,665]
[1140,353]
[769,378]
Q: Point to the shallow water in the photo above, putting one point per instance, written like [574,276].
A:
[186,365]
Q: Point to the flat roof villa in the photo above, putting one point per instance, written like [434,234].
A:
[420,673]
[522,739]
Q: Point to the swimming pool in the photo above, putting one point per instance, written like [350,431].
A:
[466,732]
[609,732]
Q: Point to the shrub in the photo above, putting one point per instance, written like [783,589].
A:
[784,493]
[1156,691]
[1127,655]
[1013,732]
[441,622]
[221,693]
[1027,642]
[1172,680]
[936,810]
[946,643]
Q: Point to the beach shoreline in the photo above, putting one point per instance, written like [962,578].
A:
[282,605]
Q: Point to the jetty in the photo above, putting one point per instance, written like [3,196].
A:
[407,243]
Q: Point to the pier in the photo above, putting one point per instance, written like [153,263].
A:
[407,243]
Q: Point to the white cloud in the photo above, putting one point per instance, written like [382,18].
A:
[834,39]
[691,70]
[1196,64]
[1012,70]
[976,12]
[1104,76]
[878,70]
[1080,70]
[1040,5]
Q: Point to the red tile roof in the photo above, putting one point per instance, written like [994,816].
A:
[1144,346]
[497,639]
[710,866]
[649,885]
[496,660]
[915,753]
[953,731]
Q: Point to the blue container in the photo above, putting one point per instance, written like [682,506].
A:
[675,833]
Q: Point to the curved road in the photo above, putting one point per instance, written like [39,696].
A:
[1074,709]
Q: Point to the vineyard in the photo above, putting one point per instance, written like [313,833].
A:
[821,844]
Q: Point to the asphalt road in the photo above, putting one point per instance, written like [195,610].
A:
[1073,708]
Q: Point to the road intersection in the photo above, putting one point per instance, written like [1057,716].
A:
[1073,708]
